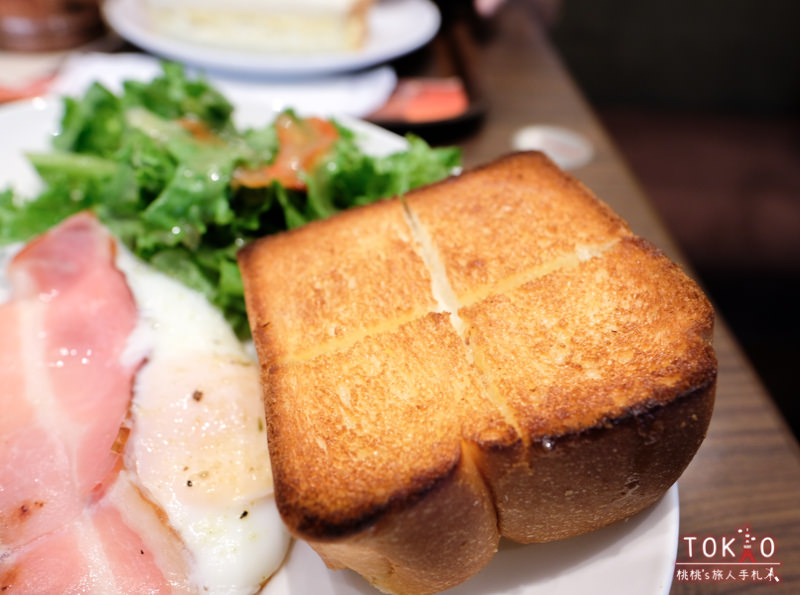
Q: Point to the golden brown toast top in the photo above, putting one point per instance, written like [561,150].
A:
[365,424]
[609,336]
[334,279]
[556,319]
[518,214]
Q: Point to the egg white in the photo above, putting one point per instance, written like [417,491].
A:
[198,434]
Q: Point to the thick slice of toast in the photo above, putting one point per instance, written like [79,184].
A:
[493,355]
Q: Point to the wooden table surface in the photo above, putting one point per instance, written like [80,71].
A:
[747,472]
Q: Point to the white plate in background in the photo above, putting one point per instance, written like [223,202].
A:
[396,27]
[356,94]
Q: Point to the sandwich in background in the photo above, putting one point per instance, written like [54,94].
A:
[304,26]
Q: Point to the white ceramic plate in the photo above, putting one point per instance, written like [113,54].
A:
[630,558]
[634,557]
[396,27]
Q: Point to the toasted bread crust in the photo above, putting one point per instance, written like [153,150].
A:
[567,485]
[434,542]
[428,544]
[511,361]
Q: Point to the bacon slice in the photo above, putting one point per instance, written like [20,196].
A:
[64,333]
[117,545]
[67,516]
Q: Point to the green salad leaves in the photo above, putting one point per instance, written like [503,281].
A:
[164,167]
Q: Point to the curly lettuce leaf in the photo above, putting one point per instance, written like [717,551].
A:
[156,165]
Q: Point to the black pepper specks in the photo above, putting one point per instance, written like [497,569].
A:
[244,514]
[197,395]
[189,483]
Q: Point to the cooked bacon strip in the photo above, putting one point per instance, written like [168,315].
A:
[67,516]
[67,390]
[117,545]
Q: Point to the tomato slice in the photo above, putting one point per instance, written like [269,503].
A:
[302,143]
[199,130]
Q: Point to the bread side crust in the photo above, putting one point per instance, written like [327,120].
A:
[557,487]
[562,486]
[428,545]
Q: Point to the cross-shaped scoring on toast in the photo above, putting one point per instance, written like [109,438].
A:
[498,335]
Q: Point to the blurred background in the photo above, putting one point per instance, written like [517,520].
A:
[702,97]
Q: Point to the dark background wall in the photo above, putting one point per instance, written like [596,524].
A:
[703,99]
[741,55]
